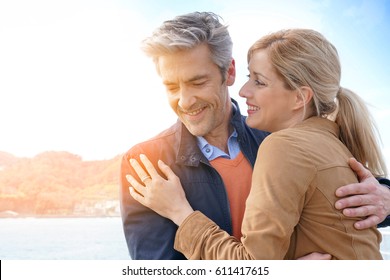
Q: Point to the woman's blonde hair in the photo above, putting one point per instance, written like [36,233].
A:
[304,57]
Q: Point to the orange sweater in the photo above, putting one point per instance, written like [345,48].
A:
[237,176]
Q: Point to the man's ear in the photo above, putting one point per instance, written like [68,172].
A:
[304,95]
[231,73]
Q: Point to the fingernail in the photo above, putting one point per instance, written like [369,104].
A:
[357,226]
[142,156]
[128,177]
[339,193]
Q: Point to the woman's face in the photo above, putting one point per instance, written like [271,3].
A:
[270,104]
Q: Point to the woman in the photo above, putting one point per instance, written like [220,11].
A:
[293,86]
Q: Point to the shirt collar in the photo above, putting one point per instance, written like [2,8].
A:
[211,152]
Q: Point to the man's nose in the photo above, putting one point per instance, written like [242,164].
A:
[187,99]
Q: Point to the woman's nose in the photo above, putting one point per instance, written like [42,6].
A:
[244,91]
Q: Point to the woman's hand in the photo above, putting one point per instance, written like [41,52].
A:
[166,197]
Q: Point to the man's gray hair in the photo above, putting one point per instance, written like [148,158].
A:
[188,31]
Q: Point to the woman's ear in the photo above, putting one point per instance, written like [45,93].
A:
[304,95]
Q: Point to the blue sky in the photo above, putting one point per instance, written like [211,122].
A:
[72,76]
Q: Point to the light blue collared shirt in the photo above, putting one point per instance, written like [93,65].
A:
[211,152]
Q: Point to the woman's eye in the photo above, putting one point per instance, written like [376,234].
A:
[259,83]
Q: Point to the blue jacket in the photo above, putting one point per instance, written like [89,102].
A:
[385,182]
[150,236]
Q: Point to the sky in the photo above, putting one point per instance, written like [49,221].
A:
[73,78]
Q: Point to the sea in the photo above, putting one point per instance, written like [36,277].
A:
[62,239]
[77,239]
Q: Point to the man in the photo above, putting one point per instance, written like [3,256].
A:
[193,56]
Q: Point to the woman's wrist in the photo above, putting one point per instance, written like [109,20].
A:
[181,215]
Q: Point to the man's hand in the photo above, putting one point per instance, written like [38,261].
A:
[367,199]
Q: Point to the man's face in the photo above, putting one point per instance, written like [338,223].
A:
[195,89]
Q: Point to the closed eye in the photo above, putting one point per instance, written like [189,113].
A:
[171,89]
[199,84]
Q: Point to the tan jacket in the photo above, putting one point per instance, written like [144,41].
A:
[290,209]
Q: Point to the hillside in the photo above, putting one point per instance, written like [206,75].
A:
[6,159]
[58,183]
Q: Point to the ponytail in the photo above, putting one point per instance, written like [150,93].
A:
[359,132]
